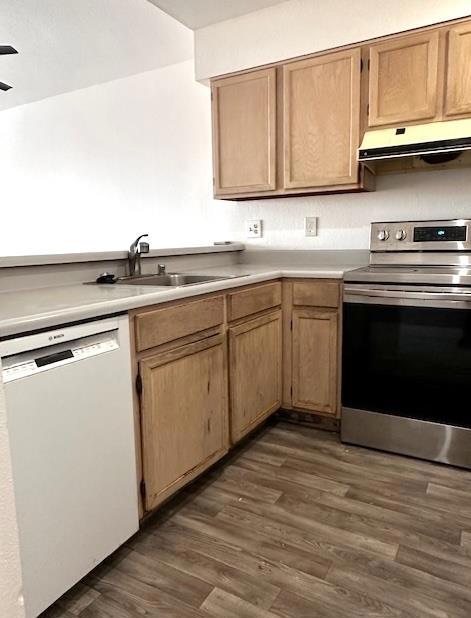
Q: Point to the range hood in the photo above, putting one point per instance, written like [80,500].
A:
[434,142]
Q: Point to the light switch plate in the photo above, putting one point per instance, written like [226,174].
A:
[310,226]
[253,228]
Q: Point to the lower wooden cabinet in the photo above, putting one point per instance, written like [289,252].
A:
[315,360]
[184,415]
[255,375]
[227,370]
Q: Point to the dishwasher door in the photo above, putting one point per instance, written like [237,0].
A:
[70,420]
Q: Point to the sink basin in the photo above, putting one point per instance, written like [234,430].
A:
[170,280]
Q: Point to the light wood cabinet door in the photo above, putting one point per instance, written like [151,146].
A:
[315,360]
[184,415]
[255,372]
[403,84]
[321,120]
[458,81]
[244,132]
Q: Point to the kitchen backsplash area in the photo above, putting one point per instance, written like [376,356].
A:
[344,220]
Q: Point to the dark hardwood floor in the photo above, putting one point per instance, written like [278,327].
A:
[296,525]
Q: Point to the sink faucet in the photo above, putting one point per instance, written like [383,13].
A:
[134,255]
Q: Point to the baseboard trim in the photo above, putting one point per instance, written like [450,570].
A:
[309,419]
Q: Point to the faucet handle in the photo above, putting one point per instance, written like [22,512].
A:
[161,269]
[143,247]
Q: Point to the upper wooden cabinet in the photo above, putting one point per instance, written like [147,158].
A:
[294,128]
[458,83]
[321,120]
[290,129]
[403,83]
[244,132]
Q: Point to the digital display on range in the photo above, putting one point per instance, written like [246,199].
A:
[446,233]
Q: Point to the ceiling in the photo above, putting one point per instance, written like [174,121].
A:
[65,45]
[199,13]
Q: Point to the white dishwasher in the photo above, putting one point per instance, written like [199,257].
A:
[70,420]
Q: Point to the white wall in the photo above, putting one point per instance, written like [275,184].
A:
[298,27]
[344,220]
[92,169]
[10,573]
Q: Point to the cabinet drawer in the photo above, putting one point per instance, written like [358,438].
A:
[253,300]
[316,294]
[160,326]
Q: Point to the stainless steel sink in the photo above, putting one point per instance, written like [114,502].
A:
[170,280]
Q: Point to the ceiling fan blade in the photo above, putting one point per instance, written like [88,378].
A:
[4,86]
[7,49]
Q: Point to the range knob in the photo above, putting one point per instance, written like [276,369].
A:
[383,235]
[401,234]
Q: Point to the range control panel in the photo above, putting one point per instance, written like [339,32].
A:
[450,235]
[440,233]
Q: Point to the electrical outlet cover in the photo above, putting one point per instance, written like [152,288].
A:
[253,228]
[310,226]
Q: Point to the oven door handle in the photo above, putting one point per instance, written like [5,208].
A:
[387,296]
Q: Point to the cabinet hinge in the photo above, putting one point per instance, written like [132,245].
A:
[139,384]
[142,489]
[291,325]
[291,391]
[361,65]
[368,109]
[368,64]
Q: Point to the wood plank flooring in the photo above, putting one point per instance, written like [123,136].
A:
[294,524]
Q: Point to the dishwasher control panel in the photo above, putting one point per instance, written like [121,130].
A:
[29,364]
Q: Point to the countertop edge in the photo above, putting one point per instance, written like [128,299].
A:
[26,324]
[104,256]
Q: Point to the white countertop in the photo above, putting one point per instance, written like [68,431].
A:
[26,310]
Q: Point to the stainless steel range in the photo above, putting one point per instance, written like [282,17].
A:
[407,342]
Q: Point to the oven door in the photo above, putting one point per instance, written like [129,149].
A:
[407,369]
